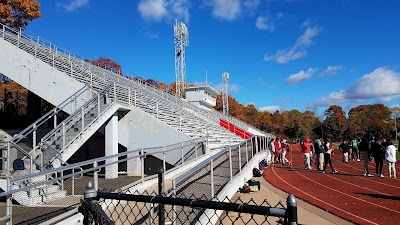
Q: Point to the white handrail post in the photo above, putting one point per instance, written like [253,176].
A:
[96,176]
[34,137]
[182,153]
[212,177]
[98,105]
[195,148]
[142,164]
[230,162]
[164,163]
[247,154]
[63,135]
[240,159]
[252,154]
[73,183]
[83,118]
[174,216]
[55,118]
[256,143]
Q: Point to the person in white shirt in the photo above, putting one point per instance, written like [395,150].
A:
[390,157]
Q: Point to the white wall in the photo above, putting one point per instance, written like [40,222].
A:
[40,78]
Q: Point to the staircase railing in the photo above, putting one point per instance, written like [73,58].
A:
[69,105]
[76,66]
[74,125]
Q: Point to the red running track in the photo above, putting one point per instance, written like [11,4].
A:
[348,194]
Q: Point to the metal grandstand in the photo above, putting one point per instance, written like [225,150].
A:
[48,179]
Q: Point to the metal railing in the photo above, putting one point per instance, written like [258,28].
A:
[125,207]
[43,184]
[81,70]
[210,177]
[74,125]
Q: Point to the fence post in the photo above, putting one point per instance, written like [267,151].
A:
[291,211]
[212,177]
[174,216]
[240,159]
[161,218]
[89,195]
[230,162]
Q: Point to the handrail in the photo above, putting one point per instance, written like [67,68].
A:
[78,165]
[47,116]
[101,73]
[76,112]
[205,163]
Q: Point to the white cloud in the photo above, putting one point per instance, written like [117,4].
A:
[302,75]
[251,5]
[271,109]
[331,70]
[225,9]
[382,82]
[156,10]
[264,23]
[152,9]
[75,5]
[382,85]
[299,49]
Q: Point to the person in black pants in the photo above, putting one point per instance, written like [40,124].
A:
[327,156]
[378,152]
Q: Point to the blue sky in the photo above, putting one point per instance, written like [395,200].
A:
[280,54]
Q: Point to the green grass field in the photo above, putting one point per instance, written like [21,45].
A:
[397,152]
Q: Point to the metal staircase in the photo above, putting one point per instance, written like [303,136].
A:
[65,139]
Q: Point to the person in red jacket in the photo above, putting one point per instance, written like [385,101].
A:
[305,148]
[278,148]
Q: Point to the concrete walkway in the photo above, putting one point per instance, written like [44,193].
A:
[307,213]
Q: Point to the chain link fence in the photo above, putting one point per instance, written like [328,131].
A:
[126,207]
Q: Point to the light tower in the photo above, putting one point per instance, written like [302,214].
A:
[181,40]
[225,104]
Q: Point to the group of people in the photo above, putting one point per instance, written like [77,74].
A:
[322,150]
[365,149]
[279,149]
[369,148]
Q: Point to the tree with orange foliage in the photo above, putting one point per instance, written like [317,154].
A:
[335,123]
[16,13]
[106,63]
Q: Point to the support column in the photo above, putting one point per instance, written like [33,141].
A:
[133,164]
[111,143]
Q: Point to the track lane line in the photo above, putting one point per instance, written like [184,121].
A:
[351,214]
[344,193]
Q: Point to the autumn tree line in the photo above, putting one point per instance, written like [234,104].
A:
[19,107]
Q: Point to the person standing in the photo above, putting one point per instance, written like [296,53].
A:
[272,150]
[305,149]
[378,152]
[319,151]
[364,152]
[390,157]
[327,157]
[354,145]
[285,148]
[278,147]
[344,148]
